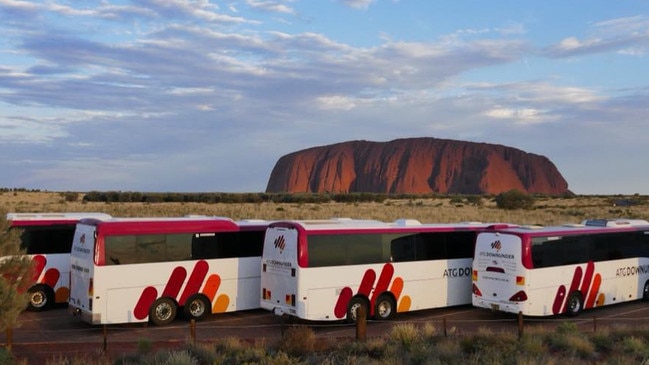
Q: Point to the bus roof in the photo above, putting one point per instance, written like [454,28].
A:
[587,226]
[342,224]
[161,225]
[37,219]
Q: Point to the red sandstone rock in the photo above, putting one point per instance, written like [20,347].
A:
[416,166]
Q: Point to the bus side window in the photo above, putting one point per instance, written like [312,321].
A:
[402,249]
[430,246]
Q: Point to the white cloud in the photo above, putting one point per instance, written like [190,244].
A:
[358,4]
[335,103]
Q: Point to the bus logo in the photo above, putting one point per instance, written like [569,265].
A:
[280,242]
[371,288]
[587,283]
[496,245]
[192,285]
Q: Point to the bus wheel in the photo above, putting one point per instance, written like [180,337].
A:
[163,311]
[354,307]
[40,298]
[645,291]
[384,308]
[197,307]
[575,304]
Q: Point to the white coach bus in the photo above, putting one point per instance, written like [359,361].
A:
[47,239]
[148,269]
[328,269]
[544,271]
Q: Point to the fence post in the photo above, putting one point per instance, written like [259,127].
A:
[10,339]
[361,323]
[282,324]
[444,324]
[105,346]
[520,324]
[192,331]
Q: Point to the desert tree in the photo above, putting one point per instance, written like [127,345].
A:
[16,275]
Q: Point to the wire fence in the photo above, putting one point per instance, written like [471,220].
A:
[206,331]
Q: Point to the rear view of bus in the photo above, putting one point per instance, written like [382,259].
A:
[545,271]
[151,269]
[47,238]
[498,281]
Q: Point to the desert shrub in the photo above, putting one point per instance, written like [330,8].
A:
[514,199]
[96,359]
[6,357]
[570,342]
[70,196]
[475,200]
[297,341]
[567,328]
[635,347]
[144,345]
[405,335]
[490,347]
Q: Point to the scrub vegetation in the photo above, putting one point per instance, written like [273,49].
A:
[406,344]
[534,209]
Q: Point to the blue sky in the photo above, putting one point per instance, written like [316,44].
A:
[188,96]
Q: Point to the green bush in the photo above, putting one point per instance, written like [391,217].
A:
[514,199]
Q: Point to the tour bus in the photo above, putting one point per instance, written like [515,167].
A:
[326,270]
[545,271]
[131,270]
[47,238]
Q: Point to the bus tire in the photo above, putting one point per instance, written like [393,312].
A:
[197,307]
[163,311]
[575,304]
[41,297]
[385,307]
[353,308]
[645,291]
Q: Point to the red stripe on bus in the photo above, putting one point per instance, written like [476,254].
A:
[588,277]
[382,285]
[384,279]
[593,291]
[576,279]
[148,296]
[195,281]
[366,284]
[175,282]
[51,277]
[397,287]
[212,286]
[558,299]
[40,262]
[340,310]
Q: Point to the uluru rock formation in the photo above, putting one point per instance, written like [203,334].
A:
[415,166]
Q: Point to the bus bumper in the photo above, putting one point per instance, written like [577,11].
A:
[497,306]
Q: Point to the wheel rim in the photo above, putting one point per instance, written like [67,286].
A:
[196,308]
[353,310]
[38,299]
[163,311]
[384,309]
[575,305]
